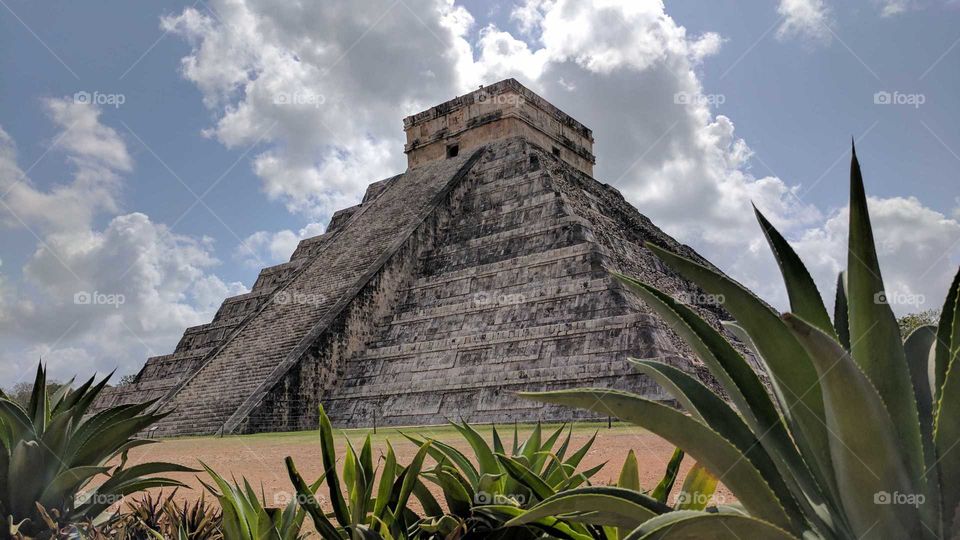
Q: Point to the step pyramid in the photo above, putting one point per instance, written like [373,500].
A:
[484,269]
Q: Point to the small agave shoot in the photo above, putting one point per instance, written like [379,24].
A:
[52,451]
[859,435]
[481,498]
[244,516]
[370,509]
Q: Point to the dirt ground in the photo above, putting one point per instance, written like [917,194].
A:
[260,458]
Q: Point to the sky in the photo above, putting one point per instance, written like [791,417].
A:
[155,155]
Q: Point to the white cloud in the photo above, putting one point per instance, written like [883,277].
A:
[805,19]
[890,8]
[917,248]
[324,84]
[617,65]
[92,299]
[274,247]
[97,154]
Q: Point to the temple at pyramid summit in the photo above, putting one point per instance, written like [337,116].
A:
[484,269]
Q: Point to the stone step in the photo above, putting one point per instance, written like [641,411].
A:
[507,294]
[488,339]
[495,269]
[488,375]
[561,309]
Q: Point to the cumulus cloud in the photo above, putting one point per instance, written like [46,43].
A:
[98,156]
[804,19]
[274,247]
[625,68]
[324,84]
[917,248]
[89,299]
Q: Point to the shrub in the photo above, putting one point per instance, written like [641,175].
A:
[854,437]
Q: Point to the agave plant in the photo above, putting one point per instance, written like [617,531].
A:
[856,436]
[158,517]
[52,450]
[481,497]
[244,516]
[612,512]
[198,521]
[363,513]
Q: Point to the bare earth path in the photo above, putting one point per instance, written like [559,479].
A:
[260,457]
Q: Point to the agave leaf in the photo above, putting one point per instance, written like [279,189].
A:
[920,351]
[410,477]
[103,501]
[440,451]
[805,299]
[387,477]
[948,336]
[37,407]
[707,407]
[662,492]
[497,443]
[577,457]
[431,508]
[455,493]
[27,478]
[366,460]
[841,318]
[552,526]
[875,342]
[526,477]
[610,506]
[792,373]
[867,455]
[103,446]
[698,488]
[541,456]
[121,476]
[329,457]
[485,457]
[630,473]
[947,440]
[307,501]
[15,423]
[532,445]
[698,440]
[704,526]
[732,371]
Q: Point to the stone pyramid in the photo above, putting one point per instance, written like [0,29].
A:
[482,270]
